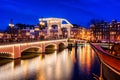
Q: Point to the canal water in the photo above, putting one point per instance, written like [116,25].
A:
[77,64]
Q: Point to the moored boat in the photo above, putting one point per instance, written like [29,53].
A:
[110,64]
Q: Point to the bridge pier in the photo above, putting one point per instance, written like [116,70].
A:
[43,48]
[16,51]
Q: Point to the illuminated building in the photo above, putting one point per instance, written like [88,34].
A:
[105,32]
[80,33]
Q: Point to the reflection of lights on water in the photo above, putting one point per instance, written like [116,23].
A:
[63,65]
[51,58]
[86,58]
[7,66]
[41,77]
[82,56]
[55,55]
[7,71]
[49,71]
[58,68]
[65,54]
[88,62]
[29,66]
[73,55]
[52,66]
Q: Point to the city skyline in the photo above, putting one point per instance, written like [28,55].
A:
[76,11]
[59,40]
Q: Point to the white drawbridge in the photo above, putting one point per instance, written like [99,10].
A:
[59,23]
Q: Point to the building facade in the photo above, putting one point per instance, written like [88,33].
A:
[80,33]
[105,32]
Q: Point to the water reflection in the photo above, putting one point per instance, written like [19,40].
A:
[76,67]
[79,64]
[86,58]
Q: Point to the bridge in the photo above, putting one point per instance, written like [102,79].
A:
[58,25]
[14,50]
[56,22]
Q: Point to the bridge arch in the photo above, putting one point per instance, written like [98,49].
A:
[61,46]
[65,44]
[50,48]
[54,44]
[33,49]
[6,54]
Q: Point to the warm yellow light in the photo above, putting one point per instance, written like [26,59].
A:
[42,23]
[39,42]
[27,33]
[36,29]
[55,21]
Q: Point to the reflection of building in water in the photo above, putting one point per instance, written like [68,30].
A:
[86,58]
[8,66]
[73,55]
[8,69]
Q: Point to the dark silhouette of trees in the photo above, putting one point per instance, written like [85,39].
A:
[23,26]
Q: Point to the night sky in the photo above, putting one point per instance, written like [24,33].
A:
[76,11]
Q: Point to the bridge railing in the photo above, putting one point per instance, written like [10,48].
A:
[28,41]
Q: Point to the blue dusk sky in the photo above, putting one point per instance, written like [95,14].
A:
[76,11]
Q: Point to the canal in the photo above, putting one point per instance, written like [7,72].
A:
[77,64]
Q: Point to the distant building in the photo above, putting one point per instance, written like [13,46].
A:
[4,37]
[1,35]
[105,32]
[80,33]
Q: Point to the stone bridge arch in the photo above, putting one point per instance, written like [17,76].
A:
[50,47]
[65,44]
[62,46]
[54,44]
[31,49]
[6,54]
